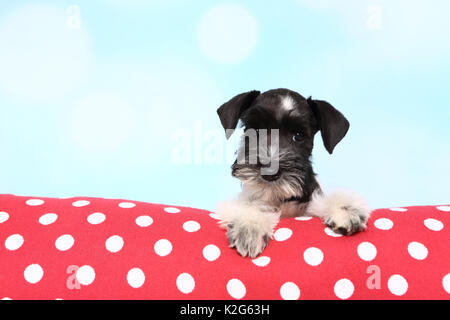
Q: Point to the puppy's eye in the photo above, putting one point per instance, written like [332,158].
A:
[297,137]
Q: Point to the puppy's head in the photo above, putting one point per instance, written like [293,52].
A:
[279,128]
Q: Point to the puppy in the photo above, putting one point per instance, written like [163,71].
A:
[274,167]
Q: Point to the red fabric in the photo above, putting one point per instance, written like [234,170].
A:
[412,255]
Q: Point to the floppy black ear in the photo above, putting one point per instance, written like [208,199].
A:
[230,112]
[332,124]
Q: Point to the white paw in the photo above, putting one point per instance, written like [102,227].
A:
[247,239]
[249,228]
[347,220]
[343,211]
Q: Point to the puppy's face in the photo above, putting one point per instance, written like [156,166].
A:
[279,127]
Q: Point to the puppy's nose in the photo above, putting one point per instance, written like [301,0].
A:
[270,177]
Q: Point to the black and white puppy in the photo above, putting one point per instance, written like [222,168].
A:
[273,164]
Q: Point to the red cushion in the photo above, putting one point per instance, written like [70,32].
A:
[180,253]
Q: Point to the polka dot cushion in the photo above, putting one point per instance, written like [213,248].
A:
[90,248]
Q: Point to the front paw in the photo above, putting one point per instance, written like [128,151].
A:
[248,240]
[348,220]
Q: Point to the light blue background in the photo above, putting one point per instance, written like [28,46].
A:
[90,111]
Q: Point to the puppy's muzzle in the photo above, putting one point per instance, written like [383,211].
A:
[270,178]
[269,174]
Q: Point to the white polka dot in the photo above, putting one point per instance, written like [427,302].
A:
[64,242]
[214,216]
[135,278]
[236,289]
[313,256]
[14,242]
[34,202]
[261,261]
[3,216]
[48,218]
[127,205]
[398,209]
[171,210]
[290,291]
[417,250]
[367,251]
[85,275]
[443,208]
[283,234]
[191,226]
[228,33]
[96,218]
[6,298]
[397,285]
[163,247]
[33,273]
[446,282]
[211,252]
[80,203]
[343,289]
[144,221]
[383,224]
[331,233]
[185,283]
[114,243]
[303,218]
[433,224]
